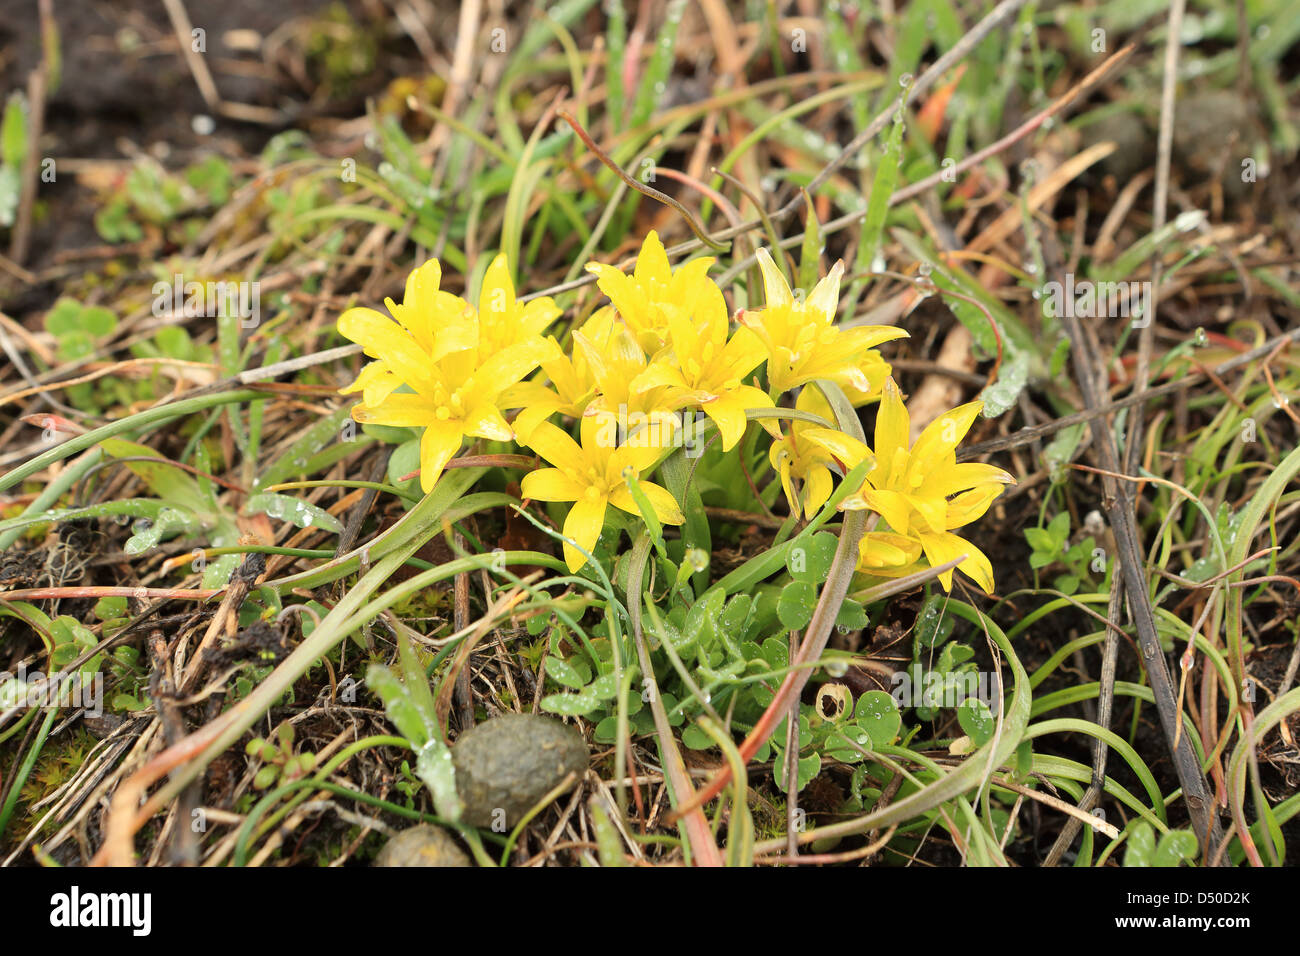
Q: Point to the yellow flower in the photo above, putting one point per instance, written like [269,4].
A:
[593,476]
[424,309]
[808,452]
[573,383]
[615,365]
[889,555]
[433,350]
[653,295]
[504,321]
[702,367]
[862,383]
[803,343]
[922,493]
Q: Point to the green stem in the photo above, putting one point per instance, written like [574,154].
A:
[162,413]
[25,770]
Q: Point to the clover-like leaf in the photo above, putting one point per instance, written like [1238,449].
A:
[795,608]
[877,714]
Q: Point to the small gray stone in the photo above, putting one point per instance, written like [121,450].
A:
[1135,145]
[423,845]
[510,762]
[1213,131]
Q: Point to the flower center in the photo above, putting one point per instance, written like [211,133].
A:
[447,405]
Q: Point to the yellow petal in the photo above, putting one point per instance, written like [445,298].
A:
[890,505]
[661,501]
[817,488]
[528,394]
[400,410]
[690,285]
[497,296]
[622,291]
[825,296]
[776,291]
[781,462]
[652,261]
[438,443]
[584,522]
[454,328]
[658,373]
[932,511]
[537,314]
[530,418]
[506,368]
[354,323]
[970,505]
[384,339]
[866,337]
[541,403]
[640,452]
[376,382]
[554,444]
[892,423]
[942,435]
[485,421]
[701,297]
[862,382]
[946,546]
[744,353]
[728,412]
[847,450]
[422,286]
[881,550]
[550,484]
[599,432]
[960,477]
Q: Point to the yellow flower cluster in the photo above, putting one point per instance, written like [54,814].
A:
[665,345]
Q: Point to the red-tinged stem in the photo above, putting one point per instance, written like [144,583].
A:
[483,461]
[814,642]
[44,594]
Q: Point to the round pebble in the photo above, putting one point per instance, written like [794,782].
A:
[510,762]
